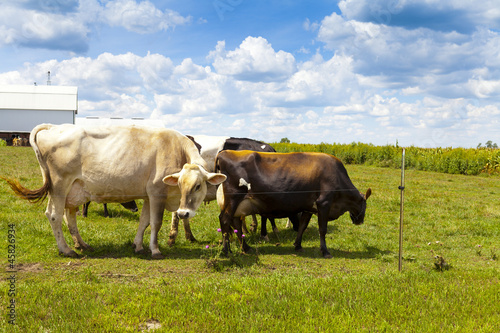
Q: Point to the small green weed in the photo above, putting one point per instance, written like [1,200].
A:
[217,260]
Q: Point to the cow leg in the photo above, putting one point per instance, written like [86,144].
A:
[263,229]
[273,225]
[304,222]
[174,229]
[224,220]
[70,218]
[106,214]
[55,212]
[237,223]
[294,220]
[244,225]
[187,231]
[85,209]
[322,226]
[143,224]
[254,225]
[157,207]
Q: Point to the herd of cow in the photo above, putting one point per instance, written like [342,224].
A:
[172,171]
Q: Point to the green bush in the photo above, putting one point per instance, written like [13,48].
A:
[3,143]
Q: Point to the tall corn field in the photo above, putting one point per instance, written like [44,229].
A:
[446,160]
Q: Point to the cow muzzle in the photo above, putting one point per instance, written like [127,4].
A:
[185,213]
[357,219]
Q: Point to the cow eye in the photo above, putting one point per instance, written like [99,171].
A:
[197,188]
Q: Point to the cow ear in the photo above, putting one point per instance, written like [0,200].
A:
[216,178]
[368,193]
[172,180]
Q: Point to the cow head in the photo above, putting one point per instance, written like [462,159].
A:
[358,215]
[192,181]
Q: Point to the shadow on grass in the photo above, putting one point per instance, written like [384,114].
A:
[314,252]
[279,244]
[114,212]
[126,250]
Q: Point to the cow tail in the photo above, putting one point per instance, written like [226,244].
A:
[40,194]
[217,166]
[32,196]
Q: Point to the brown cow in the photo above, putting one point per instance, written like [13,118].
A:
[278,185]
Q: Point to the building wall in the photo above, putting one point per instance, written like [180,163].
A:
[25,120]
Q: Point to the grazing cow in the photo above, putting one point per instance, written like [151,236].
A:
[131,205]
[116,164]
[209,147]
[277,185]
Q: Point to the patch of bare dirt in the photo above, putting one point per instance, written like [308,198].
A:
[35,267]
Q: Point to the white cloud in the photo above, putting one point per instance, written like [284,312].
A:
[188,69]
[53,26]
[435,62]
[310,26]
[320,82]
[40,29]
[142,17]
[253,60]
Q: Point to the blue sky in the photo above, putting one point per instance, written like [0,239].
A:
[424,73]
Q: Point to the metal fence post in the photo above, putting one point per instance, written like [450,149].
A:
[401,211]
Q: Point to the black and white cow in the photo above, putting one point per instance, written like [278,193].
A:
[209,147]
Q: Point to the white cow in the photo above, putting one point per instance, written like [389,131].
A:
[117,164]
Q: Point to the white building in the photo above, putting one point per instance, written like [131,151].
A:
[24,107]
[117,121]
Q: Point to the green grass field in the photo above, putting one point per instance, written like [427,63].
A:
[273,289]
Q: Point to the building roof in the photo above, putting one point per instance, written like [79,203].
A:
[27,97]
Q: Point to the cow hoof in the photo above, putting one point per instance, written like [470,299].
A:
[69,254]
[327,255]
[84,247]
[265,238]
[87,248]
[299,249]
[247,249]
[275,230]
[192,239]
[171,242]
[157,256]
[140,252]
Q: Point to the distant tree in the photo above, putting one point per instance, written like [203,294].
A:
[285,140]
[488,144]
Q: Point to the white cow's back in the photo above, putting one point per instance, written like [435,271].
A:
[114,163]
[210,147]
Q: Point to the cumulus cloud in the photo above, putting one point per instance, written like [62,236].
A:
[67,25]
[141,17]
[41,29]
[405,58]
[255,59]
